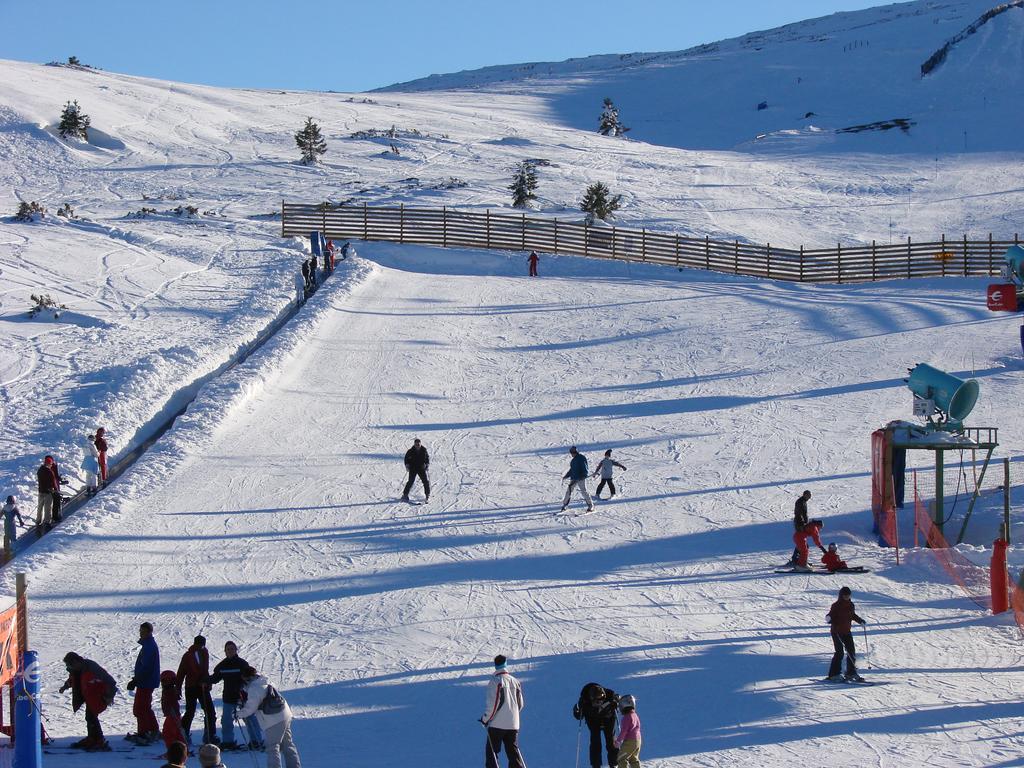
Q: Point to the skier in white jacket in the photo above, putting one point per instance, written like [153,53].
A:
[275,717]
[605,468]
[502,706]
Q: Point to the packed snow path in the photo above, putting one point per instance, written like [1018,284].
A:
[724,397]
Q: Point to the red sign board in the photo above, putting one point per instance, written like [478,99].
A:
[1002,297]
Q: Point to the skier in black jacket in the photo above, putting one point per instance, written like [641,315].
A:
[230,672]
[597,707]
[416,462]
[800,519]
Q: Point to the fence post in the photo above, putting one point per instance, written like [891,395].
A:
[943,252]
[323,227]
[613,242]
[874,265]
[524,236]
[556,235]
[444,226]
[839,263]
[707,252]
[990,259]
[488,227]
[366,228]
[677,252]
[586,238]
[282,233]
[768,252]
[643,244]
[401,223]
[801,263]
[965,255]
[908,257]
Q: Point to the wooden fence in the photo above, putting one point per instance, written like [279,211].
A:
[507,231]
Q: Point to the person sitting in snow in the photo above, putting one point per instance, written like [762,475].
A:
[812,529]
[831,559]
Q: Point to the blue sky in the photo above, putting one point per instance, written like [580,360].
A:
[354,46]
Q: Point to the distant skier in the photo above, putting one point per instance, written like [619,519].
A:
[417,461]
[502,705]
[533,259]
[832,560]
[145,680]
[329,257]
[307,285]
[347,250]
[840,616]
[101,453]
[11,513]
[92,686]
[605,468]
[268,705]
[194,678]
[577,477]
[300,287]
[597,706]
[90,466]
[800,517]
[628,741]
[812,529]
[313,265]
[48,482]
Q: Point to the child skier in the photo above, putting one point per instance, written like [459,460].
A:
[812,529]
[170,706]
[832,561]
[628,740]
[605,468]
[840,616]
[11,512]
[91,466]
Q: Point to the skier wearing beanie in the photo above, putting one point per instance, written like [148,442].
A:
[605,467]
[11,512]
[194,677]
[841,616]
[93,686]
[209,756]
[502,706]
[577,477]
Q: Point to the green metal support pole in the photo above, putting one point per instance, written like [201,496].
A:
[974,496]
[940,512]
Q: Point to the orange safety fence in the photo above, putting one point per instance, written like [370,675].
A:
[1017,604]
[973,579]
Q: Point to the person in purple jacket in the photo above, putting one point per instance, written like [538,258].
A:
[628,741]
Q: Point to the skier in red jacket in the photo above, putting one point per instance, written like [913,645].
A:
[841,616]
[194,677]
[832,561]
[812,529]
[93,686]
[101,447]
[170,706]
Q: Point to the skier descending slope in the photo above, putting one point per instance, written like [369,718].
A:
[605,468]
[417,460]
[577,477]
[841,616]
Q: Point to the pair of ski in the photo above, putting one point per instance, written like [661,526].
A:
[821,571]
[848,681]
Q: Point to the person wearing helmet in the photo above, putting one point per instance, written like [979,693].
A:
[170,706]
[597,707]
[92,686]
[841,616]
[832,560]
[628,741]
[812,529]
[11,513]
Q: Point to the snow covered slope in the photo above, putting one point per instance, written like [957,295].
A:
[814,77]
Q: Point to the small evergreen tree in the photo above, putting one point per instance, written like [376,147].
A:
[599,202]
[610,125]
[73,61]
[311,142]
[73,122]
[524,182]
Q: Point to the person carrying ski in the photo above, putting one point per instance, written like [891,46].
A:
[831,559]
[275,716]
[812,529]
[194,677]
[533,259]
[229,670]
[503,703]
[841,616]
[417,461]
[92,686]
[100,442]
[605,468]
[628,741]
[145,681]
[577,477]
[49,484]
[11,512]
[596,707]
[170,708]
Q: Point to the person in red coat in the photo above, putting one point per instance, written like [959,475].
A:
[812,529]
[93,686]
[101,445]
[170,707]
[832,561]
[533,259]
[194,677]
[841,616]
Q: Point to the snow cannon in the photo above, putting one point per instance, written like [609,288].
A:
[1008,296]
[939,393]
[1014,257]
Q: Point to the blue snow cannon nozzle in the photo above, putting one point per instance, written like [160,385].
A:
[1014,257]
[955,397]
[28,745]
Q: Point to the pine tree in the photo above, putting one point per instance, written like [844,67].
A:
[73,122]
[599,202]
[610,125]
[73,61]
[311,142]
[524,182]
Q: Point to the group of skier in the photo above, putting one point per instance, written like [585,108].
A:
[316,268]
[249,702]
[597,706]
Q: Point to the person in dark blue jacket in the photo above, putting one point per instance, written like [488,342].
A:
[145,681]
[577,477]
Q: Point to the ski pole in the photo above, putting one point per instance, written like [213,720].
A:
[490,747]
[244,729]
[579,734]
[866,650]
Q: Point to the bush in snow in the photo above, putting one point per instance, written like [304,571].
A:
[610,125]
[30,212]
[524,182]
[599,202]
[73,61]
[310,141]
[141,213]
[45,303]
[73,122]
[186,211]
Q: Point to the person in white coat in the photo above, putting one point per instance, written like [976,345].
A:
[91,465]
[275,718]
[501,716]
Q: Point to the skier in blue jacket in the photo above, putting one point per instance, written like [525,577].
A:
[145,681]
[577,477]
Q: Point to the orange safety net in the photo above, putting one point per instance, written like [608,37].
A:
[973,579]
[1017,605]
[883,500]
[8,644]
